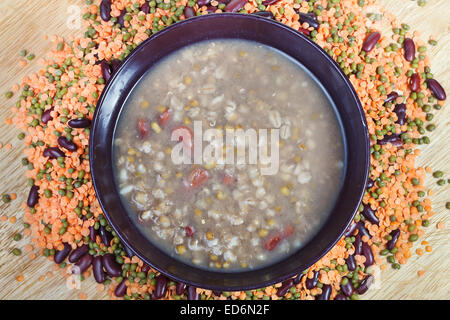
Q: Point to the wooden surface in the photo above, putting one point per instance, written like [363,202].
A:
[23,25]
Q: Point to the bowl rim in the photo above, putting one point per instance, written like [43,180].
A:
[346,82]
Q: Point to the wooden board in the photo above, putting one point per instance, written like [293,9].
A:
[23,25]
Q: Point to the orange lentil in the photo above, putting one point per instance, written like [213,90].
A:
[19,278]
[428,249]
[13,219]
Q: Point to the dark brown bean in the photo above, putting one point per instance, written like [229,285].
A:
[436,89]
[78,253]
[351,262]
[410,49]
[371,41]
[128,251]
[298,278]
[367,251]
[395,234]
[145,8]
[46,117]
[264,14]
[79,123]
[62,254]
[105,10]
[363,230]
[33,196]
[269,2]
[92,234]
[365,284]
[340,296]
[120,18]
[53,153]
[121,289]
[369,183]
[160,287]
[67,144]
[326,293]
[189,12]
[400,111]
[180,288]
[369,214]
[105,235]
[414,82]
[106,70]
[97,269]
[309,18]
[202,3]
[358,244]
[235,5]
[111,266]
[217,293]
[285,286]
[82,264]
[311,283]
[393,139]
[391,97]
[145,268]
[347,288]
[192,293]
[350,230]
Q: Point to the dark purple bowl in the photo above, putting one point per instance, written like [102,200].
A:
[268,32]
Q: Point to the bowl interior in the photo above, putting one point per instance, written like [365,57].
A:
[278,36]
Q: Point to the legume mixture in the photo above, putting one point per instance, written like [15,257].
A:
[395,85]
[229,216]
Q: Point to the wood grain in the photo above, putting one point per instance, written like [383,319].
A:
[23,25]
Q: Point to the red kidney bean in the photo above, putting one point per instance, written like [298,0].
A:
[371,41]
[217,293]
[351,262]
[189,231]
[414,82]
[61,255]
[106,70]
[410,49]
[369,214]
[285,286]
[395,234]
[192,293]
[46,117]
[79,123]
[391,97]
[189,12]
[211,9]
[365,284]
[358,244]
[340,296]
[269,2]
[105,235]
[92,234]
[369,183]
[350,230]
[78,253]
[120,18]
[111,266]
[145,268]
[67,144]
[298,278]
[367,251]
[311,283]
[53,153]
[235,5]
[363,230]
[400,111]
[160,287]
[393,139]
[180,288]
[309,18]
[121,289]
[128,251]
[347,288]
[82,264]
[33,196]
[304,31]
[326,293]
[105,10]
[145,8]
[115,64]
[436,89]
[202,3]
[265,14]
[97,269]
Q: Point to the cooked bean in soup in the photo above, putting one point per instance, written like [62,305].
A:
[220,214]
